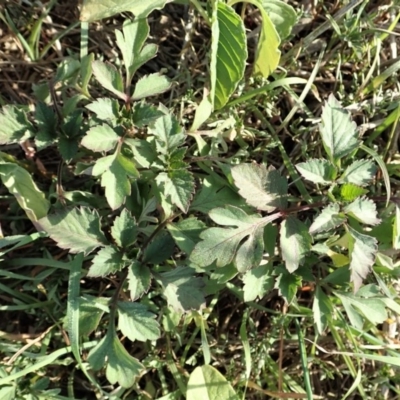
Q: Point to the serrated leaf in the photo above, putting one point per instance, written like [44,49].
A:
[182,289]
[159,249]
[125,229]
[100,138]
[328,219]
[287,284]
[121,367]
[282,15]
[349,192]
[108,76]
[186,233]
[243,244]
[317,171]
[144,152]
[76,229]
[362,256]
[14,125]
[295,242]
[338,131]
[360,172]
[107,261]
[151,85]
[46,120]
[322,310]
[364,210]
[144,114]
[268,53]
[139,279]
[137,322]
[228,53]
[105,108]
[178,186]
[21,185]
[261,188]
[258,282]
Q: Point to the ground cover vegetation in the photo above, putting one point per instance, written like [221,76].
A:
[199,199]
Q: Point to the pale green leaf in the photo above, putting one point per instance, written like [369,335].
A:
[93,10]
[295,242]
[350,191]
[186,233]
[203,111]
[228,53]
[207,383]
[364,210]
[100,138]
[14,125]
[89,314]
[258,282]
[317,171]
[151,85]
[8,392]
[125,229]
[282,15]
[107,261]
[20,184]
[360,173]
[329,218]
[396,228]
[139,279]
[261,188]
[137,322]
[339,133]
[76,229]
[144,153]
[322,310]
[144,114]
[108,76]
[362,256]
[105,108]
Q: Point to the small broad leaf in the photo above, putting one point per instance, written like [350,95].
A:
[160,249]
[100,138]
[258,282]
[364,210]
[137,322]
[182,289]
[144,114]
[109,78]
[151,85]
[125,229]
[329,218]
[261,188]
[362,256]
[106,109]
[338,131]
[360,172]
[287,284]
[121,367]
[295,242]
[89,314]
[228,53]
[46,120]
[349,192]
[282,16]
[144,153]
[20,184]
[207,383]
[76,229]
[139,279]
[186,233]
[243,244]
[14,125]
[322,309]
[317,171]
[107,261]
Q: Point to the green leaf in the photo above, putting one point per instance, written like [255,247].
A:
[186,233]
[362,256]
[243,244]
[121,367]
[396,228]
[20,184]
[108,77]
[8,392]
[228,54]
[360,173]
[46,120]
[14,125]
[106,109]
[339,133]
[317,171]
[139,279]
[182,289]
[100,138]
[89,314]
[125,229]
[76,229]
[258,282]
[329,218]
[207,383]
[261,188]
[145,114]
[93,10]
[160,248]
[287,284]
[268,54]
[144,153]
[322,310]
[178,186]
[364,210]
[151,85]
[282,15]
[107,261]
[349,192]
[295,242]
[137,322]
